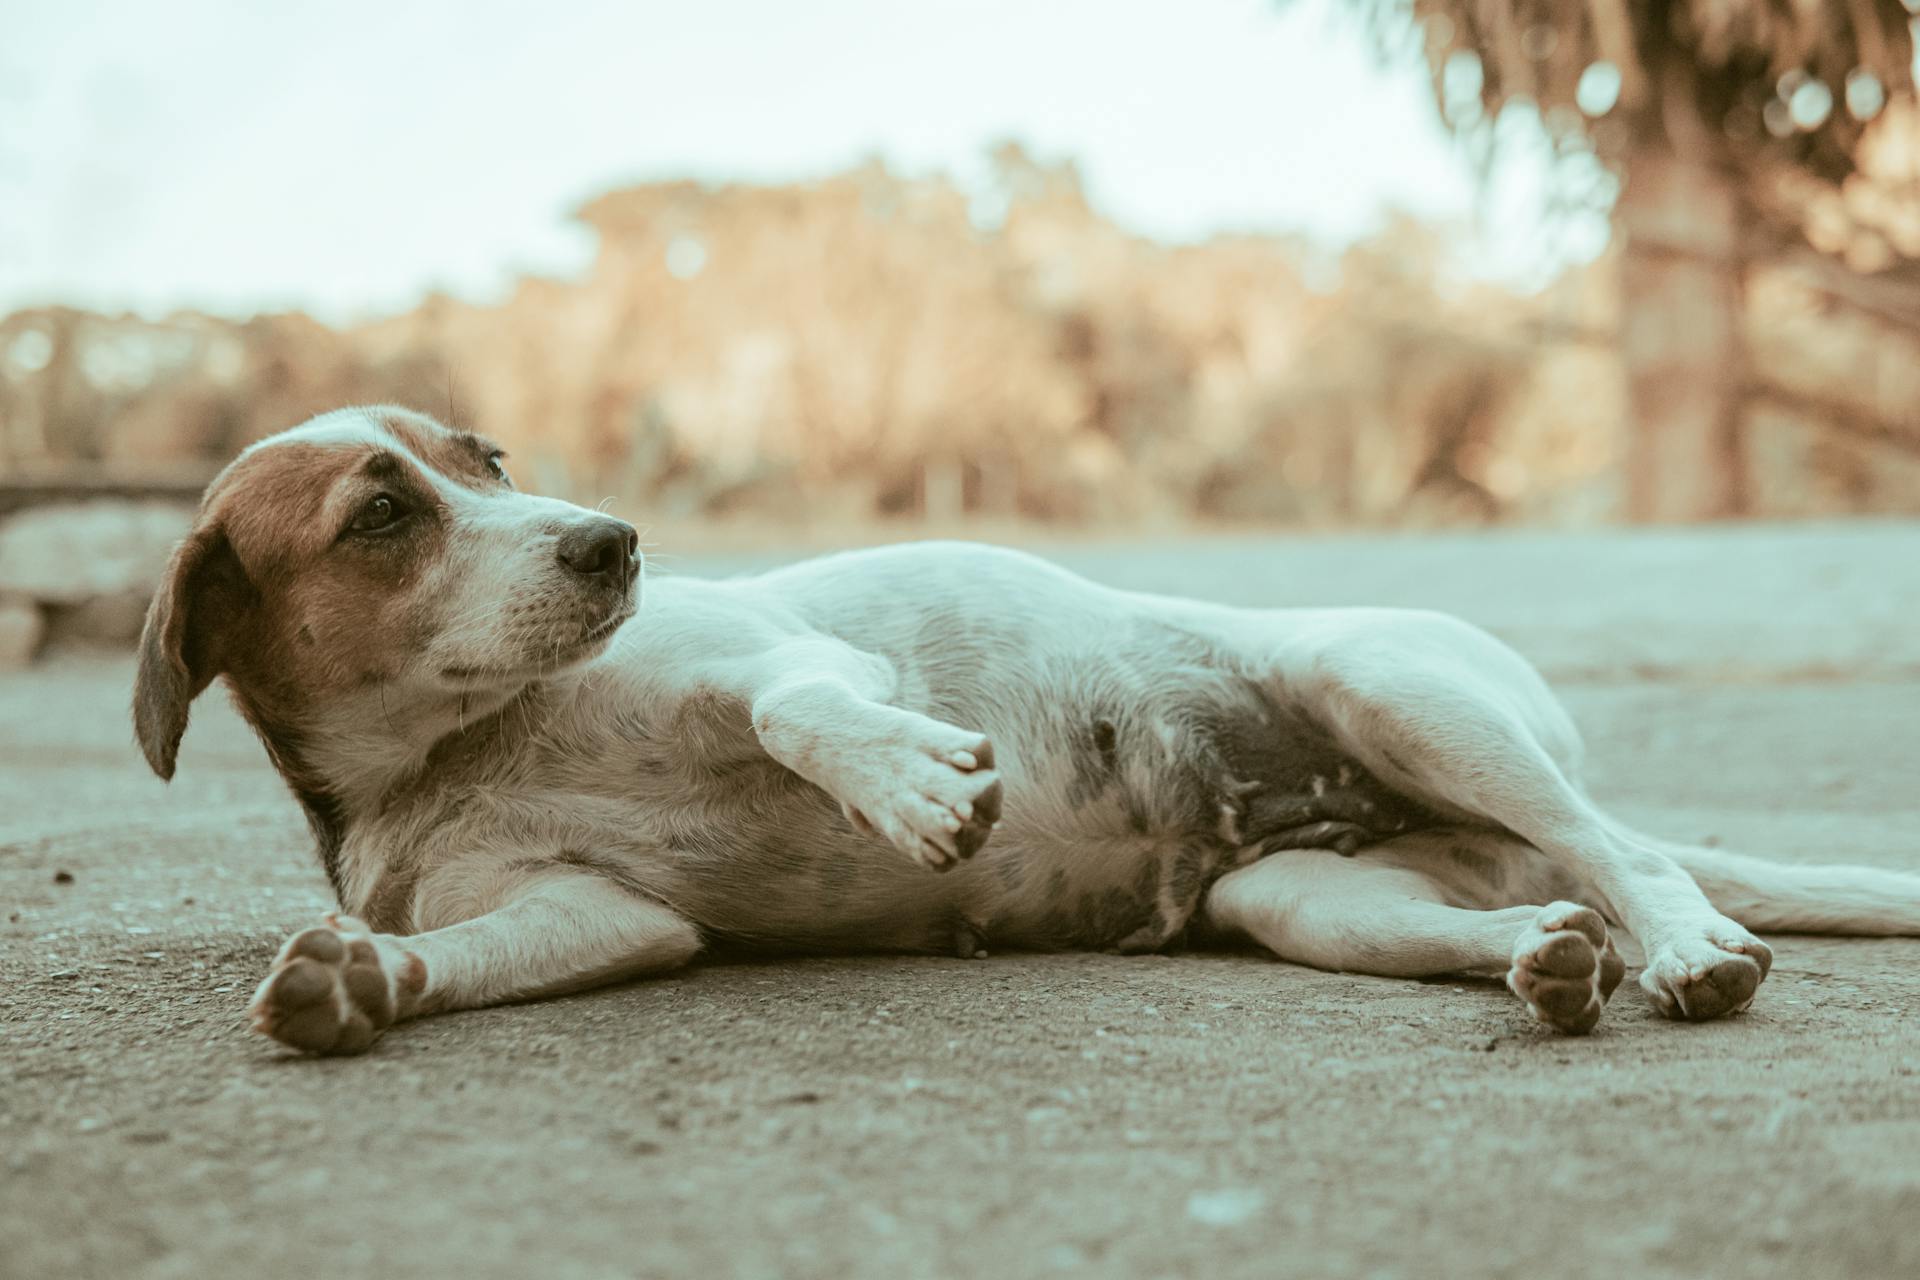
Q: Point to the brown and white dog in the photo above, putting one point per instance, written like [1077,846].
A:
[519,788]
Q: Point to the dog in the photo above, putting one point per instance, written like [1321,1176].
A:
[529,773]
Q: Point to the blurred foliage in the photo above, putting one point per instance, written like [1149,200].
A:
[1791,98]
[875,346]
[1745,134]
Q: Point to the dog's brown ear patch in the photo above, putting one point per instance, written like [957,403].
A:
[182,646]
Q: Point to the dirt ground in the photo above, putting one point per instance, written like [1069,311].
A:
[1218,1114]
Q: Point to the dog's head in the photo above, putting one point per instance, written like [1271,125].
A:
[374,549]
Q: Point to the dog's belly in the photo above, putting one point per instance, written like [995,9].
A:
[1124,811]
[1116,823]
[1139,767]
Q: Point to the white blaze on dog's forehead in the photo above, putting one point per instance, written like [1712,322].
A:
[350,428]
[340,427]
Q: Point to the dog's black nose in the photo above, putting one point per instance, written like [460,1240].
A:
[600,547]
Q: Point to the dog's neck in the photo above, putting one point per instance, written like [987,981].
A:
[349,758]
[377,739]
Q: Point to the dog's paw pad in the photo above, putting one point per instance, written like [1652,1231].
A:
[331,990]
[1565,967]
[977,818]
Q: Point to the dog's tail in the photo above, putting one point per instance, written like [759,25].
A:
[1791,897]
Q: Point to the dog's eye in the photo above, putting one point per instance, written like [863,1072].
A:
[378,514]
[493,465]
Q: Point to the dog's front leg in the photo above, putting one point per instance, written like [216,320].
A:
[927,786]
[334,988]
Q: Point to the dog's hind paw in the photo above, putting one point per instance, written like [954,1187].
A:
[1707,977]
[335,988]
[1565,967]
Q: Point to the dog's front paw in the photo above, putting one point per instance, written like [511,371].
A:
[936,799]
[1712,974]
[335,988]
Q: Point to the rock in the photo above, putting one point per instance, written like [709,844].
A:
[72,553]
[21,629]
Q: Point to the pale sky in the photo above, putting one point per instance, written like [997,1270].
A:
[346,156]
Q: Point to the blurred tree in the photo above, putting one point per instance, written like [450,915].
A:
[1717,116]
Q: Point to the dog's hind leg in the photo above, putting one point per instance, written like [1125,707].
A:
[1377,913]
[557,928]
[1441,711]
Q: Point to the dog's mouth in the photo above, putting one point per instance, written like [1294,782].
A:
[587,645]
[602,633]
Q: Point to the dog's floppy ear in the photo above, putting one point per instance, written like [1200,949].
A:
[181,647]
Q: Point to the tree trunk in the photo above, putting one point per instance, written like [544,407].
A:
[1681,341]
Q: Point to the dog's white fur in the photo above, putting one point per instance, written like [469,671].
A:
[521,800]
